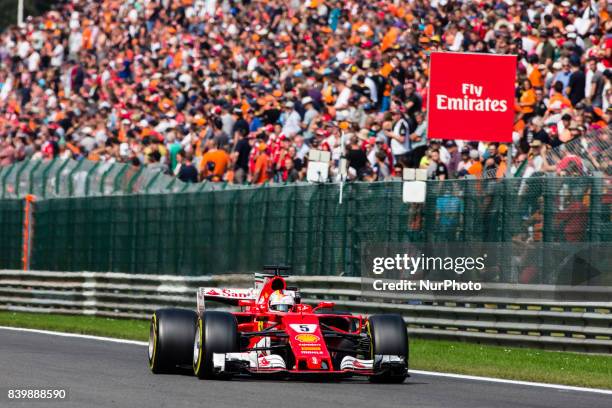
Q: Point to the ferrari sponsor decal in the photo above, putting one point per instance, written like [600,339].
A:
[352,363]
[311,348]
[316,353]
[271,361]
[307,338]
[229,293]
[304,328]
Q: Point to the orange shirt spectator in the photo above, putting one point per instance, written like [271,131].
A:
[535,77]
[501,170]
[519,125]
[390,38]
[218,159]
[528,97]
[386,70]
[558,97]
[557,100]
[260,174]
[475,169]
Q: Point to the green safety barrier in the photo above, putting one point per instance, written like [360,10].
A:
[11,233]
[223,229]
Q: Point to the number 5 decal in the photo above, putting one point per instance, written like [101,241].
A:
[304,328]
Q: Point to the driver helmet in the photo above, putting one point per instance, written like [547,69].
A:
[281,302]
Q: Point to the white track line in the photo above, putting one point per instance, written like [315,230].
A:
[430,373]
[515,382]
[79,336]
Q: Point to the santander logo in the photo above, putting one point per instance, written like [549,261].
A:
[357,364]
[471,100]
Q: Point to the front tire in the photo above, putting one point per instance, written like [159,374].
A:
[388,337]
[216,332]
[171,335]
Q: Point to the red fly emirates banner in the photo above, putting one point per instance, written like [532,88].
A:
[471,96]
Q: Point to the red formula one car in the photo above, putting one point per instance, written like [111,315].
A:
[276,334]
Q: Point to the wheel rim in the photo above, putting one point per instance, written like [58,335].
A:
[151,340]
[196,347]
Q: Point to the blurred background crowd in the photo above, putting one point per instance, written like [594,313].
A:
[240,91]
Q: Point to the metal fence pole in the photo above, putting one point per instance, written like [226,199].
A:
[28,230]
[24,165]
[133,179]
[88,176]
[31,178]
[43,194]
[71,176]
[58,174]
[595,214]
[170,185]
[118,178]
[5,176]
[104,176]
[152,181]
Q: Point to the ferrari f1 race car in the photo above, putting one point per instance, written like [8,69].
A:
[275,334]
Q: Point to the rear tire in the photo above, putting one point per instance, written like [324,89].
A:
[171,335]
[389,337]
[216,332]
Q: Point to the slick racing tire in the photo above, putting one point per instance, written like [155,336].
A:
[216,332]
[388,337]
[171,337]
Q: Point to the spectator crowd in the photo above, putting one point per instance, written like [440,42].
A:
[241,91]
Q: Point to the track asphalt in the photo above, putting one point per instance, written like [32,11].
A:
[105,374]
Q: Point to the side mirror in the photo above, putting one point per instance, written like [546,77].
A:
[245,303]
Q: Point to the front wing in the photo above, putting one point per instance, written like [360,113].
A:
[251,363]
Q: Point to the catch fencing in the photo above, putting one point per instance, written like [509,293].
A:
[534,319]
[240,229]
[85,178]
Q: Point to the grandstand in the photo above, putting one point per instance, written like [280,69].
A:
[239,92]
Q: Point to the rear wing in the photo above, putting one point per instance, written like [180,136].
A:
[230,296]
[275,270]
[264,285]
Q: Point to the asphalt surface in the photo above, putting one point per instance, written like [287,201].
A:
[104,374]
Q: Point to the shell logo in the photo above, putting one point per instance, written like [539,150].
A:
[307,338]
